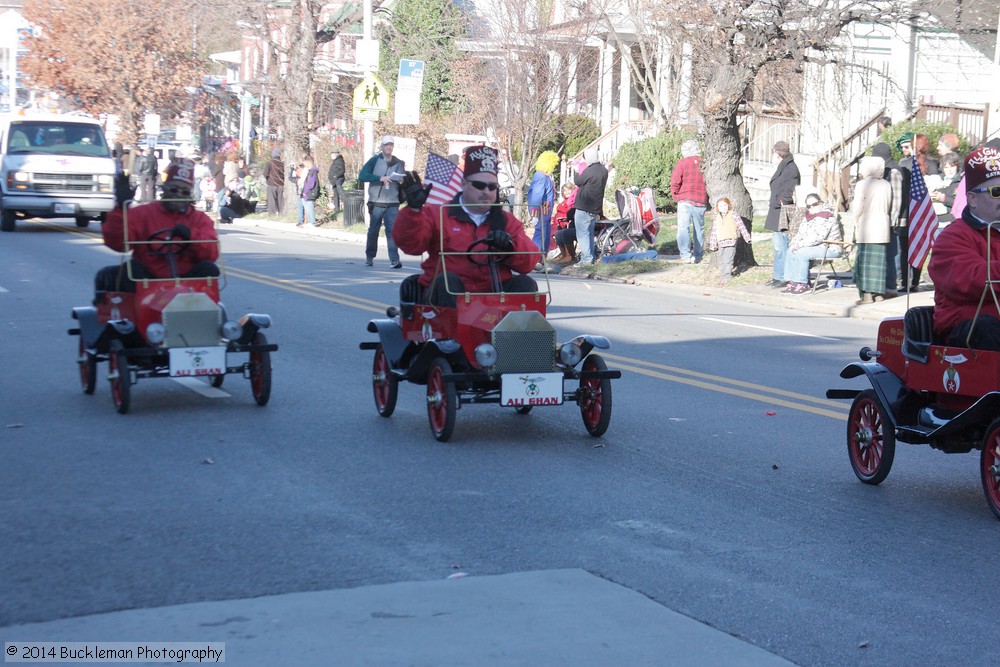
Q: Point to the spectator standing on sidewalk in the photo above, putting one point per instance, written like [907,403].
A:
[870,210]
[589,204]
[727,227]
[783,183]
[542,199]
[148,173]
[274,176]
[687,187]
[309,193]
[382,172]
[335,177]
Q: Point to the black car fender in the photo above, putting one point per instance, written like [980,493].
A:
[900,403]
[90,328]
[390,336]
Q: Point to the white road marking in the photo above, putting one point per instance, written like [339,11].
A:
[754,326]
[3,290]
[202,387]
[94,240]
[253,240]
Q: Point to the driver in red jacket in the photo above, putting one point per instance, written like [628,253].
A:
[958,263]
[471,216]
[175,217]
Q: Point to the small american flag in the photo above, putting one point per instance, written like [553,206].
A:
[445,177]
[923,220]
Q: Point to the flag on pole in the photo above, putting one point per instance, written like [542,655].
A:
[922,219]
[444,176]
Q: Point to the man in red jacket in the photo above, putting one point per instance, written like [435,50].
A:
[471,216]
[176,219]
[958,263]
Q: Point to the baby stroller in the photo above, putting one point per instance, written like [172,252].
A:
[638,222]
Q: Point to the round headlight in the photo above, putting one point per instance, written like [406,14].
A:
[156,333]
[570,354]
[231,330]
[486,355]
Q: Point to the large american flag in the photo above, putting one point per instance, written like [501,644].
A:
[923,220]
[444,176]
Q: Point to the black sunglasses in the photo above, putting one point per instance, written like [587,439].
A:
[994,191]
[479,185]
[179,192]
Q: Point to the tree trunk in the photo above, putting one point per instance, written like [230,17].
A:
[723,159]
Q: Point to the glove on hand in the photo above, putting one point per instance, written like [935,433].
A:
[123,190]
[413,191]
[181,231]
[500,240]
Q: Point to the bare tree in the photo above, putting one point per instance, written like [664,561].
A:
[529,71]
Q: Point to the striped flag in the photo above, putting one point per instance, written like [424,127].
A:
[922,219]
[444,176]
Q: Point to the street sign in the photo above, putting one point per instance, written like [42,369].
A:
[371,94]
[408,86]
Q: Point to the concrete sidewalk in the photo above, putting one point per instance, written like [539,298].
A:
[552,618]
[825,301]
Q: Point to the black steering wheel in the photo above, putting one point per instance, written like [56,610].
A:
[490,258]
[161,242]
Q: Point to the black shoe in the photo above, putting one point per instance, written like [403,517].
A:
[369,262]
[775,283]
[397,265]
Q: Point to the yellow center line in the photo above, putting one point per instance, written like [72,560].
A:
[749,390]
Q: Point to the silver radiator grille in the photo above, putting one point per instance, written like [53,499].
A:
[525,343]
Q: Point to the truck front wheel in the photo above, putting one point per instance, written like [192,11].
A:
[7,219]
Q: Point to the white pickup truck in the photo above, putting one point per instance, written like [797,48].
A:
[54,166]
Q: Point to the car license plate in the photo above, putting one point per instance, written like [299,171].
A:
[522,389]
[67,209]
[192,361]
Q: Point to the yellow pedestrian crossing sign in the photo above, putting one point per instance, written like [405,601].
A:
[371,94]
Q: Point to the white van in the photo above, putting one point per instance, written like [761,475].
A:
[54,167]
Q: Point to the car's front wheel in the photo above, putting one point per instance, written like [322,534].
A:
[871,441]
[441,400]
[8,219]
[595,397]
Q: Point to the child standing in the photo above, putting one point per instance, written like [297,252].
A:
[728,226]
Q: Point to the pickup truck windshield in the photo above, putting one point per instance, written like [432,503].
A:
[57,138]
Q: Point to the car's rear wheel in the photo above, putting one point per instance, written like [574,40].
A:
[442,400]
[385,386]
[118,374]
[989,466]
[260,371]
[871,441]
[82,221]
[217,380]
[88,368]
[8,219]
[523,409]
[595,397]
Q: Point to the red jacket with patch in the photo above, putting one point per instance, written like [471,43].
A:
[145,219]
[417,232]
[958,269]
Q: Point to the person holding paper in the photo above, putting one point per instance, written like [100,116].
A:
[382,173]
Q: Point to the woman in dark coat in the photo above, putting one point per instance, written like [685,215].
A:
[786,178]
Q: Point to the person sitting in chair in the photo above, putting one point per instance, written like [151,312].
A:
[174,218]
[471,216]
[819,227]
[958,263]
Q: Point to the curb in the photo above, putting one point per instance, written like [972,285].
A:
[830,302]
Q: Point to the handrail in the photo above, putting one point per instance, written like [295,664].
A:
[840,145]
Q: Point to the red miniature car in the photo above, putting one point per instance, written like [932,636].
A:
[491,347]
[923,392]
[174,327]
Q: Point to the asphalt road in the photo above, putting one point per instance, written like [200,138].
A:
[722,489]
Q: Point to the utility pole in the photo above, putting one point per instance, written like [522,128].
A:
[368,142]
